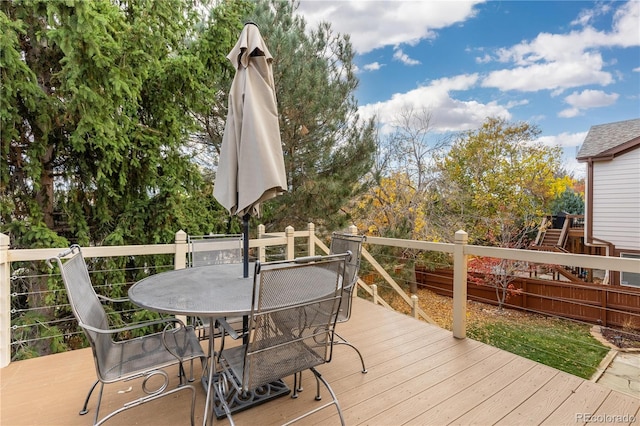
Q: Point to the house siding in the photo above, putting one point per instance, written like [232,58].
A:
[616,201]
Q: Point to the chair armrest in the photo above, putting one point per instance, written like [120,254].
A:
[185,344]
[132,327]
[227,327]
[307,259]
[109,299]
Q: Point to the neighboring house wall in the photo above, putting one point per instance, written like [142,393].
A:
[612,210]
[616,201]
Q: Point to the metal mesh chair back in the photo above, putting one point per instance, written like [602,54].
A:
[341,243]
[84,301]
[214,249]
[293,315]
[125,359]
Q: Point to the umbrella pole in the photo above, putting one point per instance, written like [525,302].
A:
[245,245]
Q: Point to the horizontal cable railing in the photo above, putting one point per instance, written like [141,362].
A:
[387,277]
[542,333]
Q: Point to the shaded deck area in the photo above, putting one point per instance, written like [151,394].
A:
[418,375]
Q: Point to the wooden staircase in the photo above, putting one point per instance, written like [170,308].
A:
[555,240]
[552,238]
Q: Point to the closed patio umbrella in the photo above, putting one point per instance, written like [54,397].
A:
[251,165]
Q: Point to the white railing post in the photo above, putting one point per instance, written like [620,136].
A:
[289,234]
[374,293]
[5,302]
[311,228]
[180,259]
[262,252]
[414,305]
[460,286]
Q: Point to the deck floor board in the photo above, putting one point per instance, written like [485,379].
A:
[418,375]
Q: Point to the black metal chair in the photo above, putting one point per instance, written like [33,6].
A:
[341,243]
[292,319]
[143,358]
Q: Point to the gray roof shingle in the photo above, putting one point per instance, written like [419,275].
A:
[605,137]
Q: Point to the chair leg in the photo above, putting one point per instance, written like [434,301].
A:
[223,335]
[297,384]
[95,420]
[149,397]
[342,341]
[191,378]
[182,375]
[334,401]
[86,401]
[318,395]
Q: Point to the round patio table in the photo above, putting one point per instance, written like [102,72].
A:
[205,291]
[213,291]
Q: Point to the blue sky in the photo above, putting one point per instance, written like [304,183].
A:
[562,65]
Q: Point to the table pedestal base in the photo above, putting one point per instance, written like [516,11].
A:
[258,396]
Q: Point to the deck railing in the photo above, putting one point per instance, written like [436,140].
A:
[292,243]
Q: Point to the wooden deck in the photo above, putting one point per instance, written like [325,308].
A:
[418,375]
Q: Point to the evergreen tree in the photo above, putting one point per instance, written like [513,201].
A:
[98,99]
[328,150]
[569,202]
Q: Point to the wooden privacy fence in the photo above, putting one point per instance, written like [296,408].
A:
[593,303]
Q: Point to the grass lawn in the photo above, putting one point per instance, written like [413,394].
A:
[562,344]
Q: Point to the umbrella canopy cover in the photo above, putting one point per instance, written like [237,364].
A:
[251,167]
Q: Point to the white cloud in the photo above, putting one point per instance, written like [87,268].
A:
[551,75]
[399,55]
[448,114]
[375,24]
[625,25]
[521,102]
[573,167]
[588,15]
[580,101]
[591,99]
[484,59]
[570,144]
[374,66]
[569,113]
[564,140]
[560,61]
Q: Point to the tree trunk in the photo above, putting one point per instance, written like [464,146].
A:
[44,196]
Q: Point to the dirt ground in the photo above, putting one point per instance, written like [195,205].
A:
[440,309]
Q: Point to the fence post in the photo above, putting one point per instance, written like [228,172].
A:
[460,286]
[180,259]
[5,302]
[262,252]
[414,305]
[311,228]
[374,290]
[604,298]
[291,248]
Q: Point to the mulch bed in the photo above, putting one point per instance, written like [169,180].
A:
[440,309]
[621,338]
